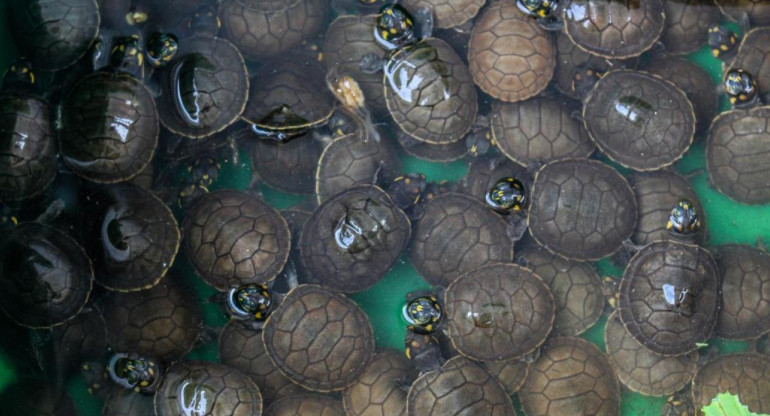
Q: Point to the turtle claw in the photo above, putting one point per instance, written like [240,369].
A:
[371,63]
[425,18]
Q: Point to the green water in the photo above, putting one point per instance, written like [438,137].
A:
[729,222]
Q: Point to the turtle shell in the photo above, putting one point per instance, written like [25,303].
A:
[306,405]
[318,338]
[745,276]
[288,166]
[163,322]
[260,28]
[457,234]
[174,146]
[510,56]
[209,388]
[459,387]
[53,34]
[381,390]
[131,235]
[575,285]
[693,80]
[109,127]
[753,56]
[432,152]
[498,312]
[669,297]
[447,13]
[639,119]
[353,262]
[510,373]
[485,171]
[581,209]
[614,29]
[36,397]
[125,402]
[233,238]
[744,375]
[687,25]
[657,193]
[210,77]
[538,130]
[27,147]
[46,276]
[571,376]
[430,93]
[758,11]
[642,370]
[77,340]
[737,148]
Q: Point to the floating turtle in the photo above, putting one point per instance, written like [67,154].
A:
[741,374]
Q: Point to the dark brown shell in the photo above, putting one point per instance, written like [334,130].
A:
[498,312]
[233,238]
[447,13]
[432,152]
[615,29]
[77,340]
[125,402]
[434,112]
[381,389]
[660,267]
[758,12]
[350,271]
[289,166]
[687,25]
[457,234]
[510,373]
[459,387]
[576,289]
[510,56]
[737,150]
[744,375]
[745,276]
[639,119]
[642,370]
[306,405]
[753,56]
[209,388]
[581,209]
[318,338]
[572,376]
[538,130]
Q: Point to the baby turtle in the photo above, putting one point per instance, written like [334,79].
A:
[131,235]
[457,234]
[684,220]
[288,167]
[615,29]
[442,153]
[639,120]
[581,209]
[207,388]
[485,171]
[753,56]
[47,276]
[353,239]
[537,131]
[755,12]
[741,88]
[318,338]
[510,373]
[306,405]
[234,238]
[382,388]
[669,297]
[61,350]
[498,312]
[133,372]
[737,144]
[743,375]
[723,42]
[745,273]
[459,387]
[687,24]
[571,376]
[510,56]
[447,13]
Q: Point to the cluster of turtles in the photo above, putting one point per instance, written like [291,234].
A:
[570,114]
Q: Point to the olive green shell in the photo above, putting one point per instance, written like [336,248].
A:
[693,80]
[614,29]
[430,111]
[575,285]
[498,312]
[261,28]
[639,119]
[233,238]
[657,193]
[737,149]
[485,171]
[753,56]
[125,402]
[163,322]
[581,209]
[432,152]
[47,276]
[659,268]
[642,370]
[209,389]
[538,130]
[53,34]
[381,389]
[221,91]
[36,397]
[288,167]
[28,161]
[459,387]
[744,375]
[457,234]
[306,405]
[355,269]
[510,373]
[745,276]
[109,127]
[687,25]
[131,235]
[758,11]
[318,338]
[447,13]
[510,56]
[572,376]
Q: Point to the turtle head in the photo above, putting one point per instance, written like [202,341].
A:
[133,372]
[506,195]
[538,8]
[683,220]
[406,191]
[394,27]
[127,55]
[583,80]
[19,75]
[252,301]
[423,313]
[740,87]
[204,170]
[161,49]
[722,41]
[204,20]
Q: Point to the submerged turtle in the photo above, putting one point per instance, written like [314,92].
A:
[754,12]
[687,24]
[36,397]
[288,167]
[742,374]
[382,388]
[723,42]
